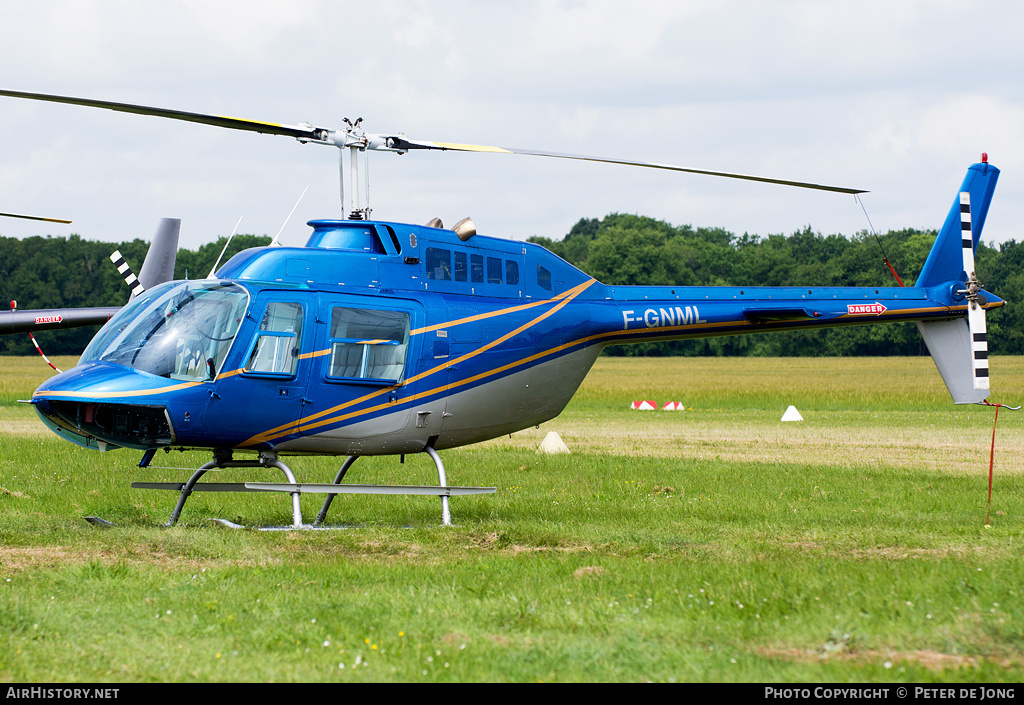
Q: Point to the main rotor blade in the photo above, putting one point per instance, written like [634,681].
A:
[34,217]
[401,143]
[395,143]
[270,128]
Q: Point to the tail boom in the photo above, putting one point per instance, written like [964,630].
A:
[640,314]
[946,302]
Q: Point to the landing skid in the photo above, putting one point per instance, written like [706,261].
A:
[296,489]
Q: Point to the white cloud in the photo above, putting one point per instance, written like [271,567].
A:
[895,97]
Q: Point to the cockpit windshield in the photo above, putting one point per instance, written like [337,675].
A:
[179,330]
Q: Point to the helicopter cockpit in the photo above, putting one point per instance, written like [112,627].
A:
[179,330]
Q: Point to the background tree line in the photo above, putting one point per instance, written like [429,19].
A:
[630,249]
[58,272]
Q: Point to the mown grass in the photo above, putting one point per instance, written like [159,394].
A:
[715,544]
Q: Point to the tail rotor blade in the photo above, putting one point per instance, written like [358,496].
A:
[967,234]
[125,270]
[975,309]
[979,344]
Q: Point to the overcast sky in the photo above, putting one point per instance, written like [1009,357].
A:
[896,97]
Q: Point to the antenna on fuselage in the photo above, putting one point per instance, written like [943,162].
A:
[277,237]
[221,256]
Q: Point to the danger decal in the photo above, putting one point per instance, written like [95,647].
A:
[865,309]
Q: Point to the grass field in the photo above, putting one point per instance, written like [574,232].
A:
[715,544]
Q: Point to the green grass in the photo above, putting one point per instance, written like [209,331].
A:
[715,544]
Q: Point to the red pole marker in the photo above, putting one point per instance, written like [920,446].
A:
[992,452]
[40,350]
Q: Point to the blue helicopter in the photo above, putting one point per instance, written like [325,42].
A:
[385,338]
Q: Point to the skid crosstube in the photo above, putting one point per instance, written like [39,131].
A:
[295,489]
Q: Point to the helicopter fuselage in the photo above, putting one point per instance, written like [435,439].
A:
[385,338]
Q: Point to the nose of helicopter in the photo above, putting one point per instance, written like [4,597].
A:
[103,405]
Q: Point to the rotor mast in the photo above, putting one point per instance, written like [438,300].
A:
[354,140]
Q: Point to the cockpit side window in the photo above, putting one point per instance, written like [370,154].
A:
[276,350]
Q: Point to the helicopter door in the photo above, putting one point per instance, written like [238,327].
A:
[269,389]
[361,367]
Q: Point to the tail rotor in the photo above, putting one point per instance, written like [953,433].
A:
[975,300]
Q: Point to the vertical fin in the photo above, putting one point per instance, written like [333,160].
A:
[158,267]
[945,261]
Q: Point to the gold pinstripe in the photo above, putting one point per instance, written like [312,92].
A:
[139,392]
[110,395]
[491,314]
[563,299]
[320,353]
[305,423]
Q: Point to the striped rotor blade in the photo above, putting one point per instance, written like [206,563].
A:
[126,271]
[966,234]
[34,217]
[975,311]
[979,344]
[271,128]
[402,143]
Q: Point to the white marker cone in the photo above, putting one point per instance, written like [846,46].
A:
[792,414]
[552,443]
